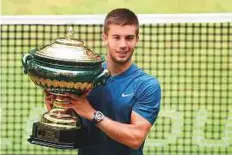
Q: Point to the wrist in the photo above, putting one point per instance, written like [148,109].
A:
[98,116]
[88,115]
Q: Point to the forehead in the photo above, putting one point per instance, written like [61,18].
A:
[123,30]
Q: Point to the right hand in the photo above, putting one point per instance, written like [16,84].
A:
[49,99]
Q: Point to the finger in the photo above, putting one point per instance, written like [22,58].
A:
[63,98]
[84,95]
[72,96]
[49,97]
[46,91]
[66,106]
[49,106]
[76,97]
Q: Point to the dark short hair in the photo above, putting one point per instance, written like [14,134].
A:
[122,17]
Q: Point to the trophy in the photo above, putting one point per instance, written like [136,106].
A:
[64,66]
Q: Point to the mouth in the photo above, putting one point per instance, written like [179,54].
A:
[122,53]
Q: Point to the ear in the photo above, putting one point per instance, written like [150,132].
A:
[104,38]
[137,39]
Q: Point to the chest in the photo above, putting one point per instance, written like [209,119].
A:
[121,96]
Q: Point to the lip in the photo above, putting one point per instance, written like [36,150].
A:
[122,52]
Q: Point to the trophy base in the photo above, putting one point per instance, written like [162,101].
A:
[34,140]
[55,137]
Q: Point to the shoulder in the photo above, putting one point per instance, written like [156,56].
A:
[146,85]
[146,80]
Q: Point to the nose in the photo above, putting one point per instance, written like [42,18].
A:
[122,43]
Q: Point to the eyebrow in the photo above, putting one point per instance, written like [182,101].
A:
[129,35]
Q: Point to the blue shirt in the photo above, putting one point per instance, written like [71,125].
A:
[132,90]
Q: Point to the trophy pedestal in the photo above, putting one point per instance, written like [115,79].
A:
[56,137]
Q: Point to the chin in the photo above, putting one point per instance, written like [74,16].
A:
[122,60]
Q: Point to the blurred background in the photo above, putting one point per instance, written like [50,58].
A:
[66,7]
[193,62]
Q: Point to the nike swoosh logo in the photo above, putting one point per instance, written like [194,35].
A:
[125,95]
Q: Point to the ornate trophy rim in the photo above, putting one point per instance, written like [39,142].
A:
[68,50]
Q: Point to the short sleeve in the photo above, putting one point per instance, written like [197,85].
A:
[148,96]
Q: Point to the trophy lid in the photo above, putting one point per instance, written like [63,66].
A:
[68,49]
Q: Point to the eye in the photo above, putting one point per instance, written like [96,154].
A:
[130,38]
[116,37]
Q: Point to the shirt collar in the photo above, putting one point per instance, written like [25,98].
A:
[129,71]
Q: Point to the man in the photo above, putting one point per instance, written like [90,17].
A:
[119,114]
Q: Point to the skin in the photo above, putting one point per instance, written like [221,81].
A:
[120,42]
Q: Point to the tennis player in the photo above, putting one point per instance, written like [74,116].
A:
[120,114]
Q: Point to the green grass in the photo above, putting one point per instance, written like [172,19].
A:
[196,86]
[54,7]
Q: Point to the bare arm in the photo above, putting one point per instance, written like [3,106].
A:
[131,135]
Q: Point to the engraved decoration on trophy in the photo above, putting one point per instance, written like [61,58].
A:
[64,66]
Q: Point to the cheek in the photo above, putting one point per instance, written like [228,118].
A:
[111,48]
[112,45]
[106,42]
[132,46]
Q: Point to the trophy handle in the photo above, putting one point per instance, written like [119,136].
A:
[26,58]
[101,79]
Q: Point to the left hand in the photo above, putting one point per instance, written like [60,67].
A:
[80,105]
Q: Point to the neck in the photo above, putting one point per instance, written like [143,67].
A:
[117,68]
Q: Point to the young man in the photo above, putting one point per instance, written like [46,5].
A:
[119,114]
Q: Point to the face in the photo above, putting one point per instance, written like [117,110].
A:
[121,42]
